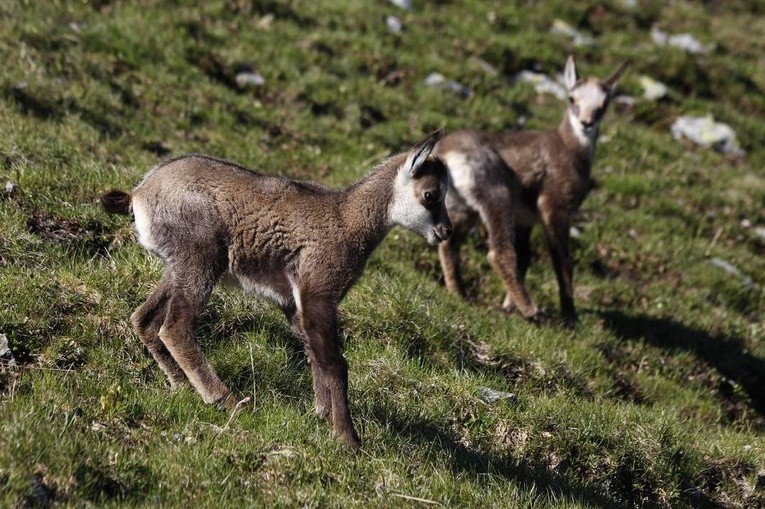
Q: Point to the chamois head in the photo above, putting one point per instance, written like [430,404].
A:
[588,97]
[419,191]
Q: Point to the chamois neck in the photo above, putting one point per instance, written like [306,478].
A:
[365,206]
[574,137]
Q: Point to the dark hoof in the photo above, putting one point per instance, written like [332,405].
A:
[227,403]
[353,443]
[539,318]
[509,309]
[570,321]
[351,440]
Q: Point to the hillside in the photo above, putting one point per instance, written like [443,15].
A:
[656,399]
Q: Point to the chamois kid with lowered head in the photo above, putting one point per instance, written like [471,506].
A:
[300,244]
[512,180]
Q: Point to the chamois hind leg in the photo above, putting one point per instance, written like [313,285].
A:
[320,389]
[502,257]
[523,250]
[191,288]
[147,320]
[318,321]
[523,258]
[556,226]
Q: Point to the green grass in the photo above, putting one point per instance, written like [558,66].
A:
[656,399]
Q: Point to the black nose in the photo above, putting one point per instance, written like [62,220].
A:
[443,232]
[587,123]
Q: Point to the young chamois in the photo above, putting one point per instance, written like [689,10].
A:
[298,243]
[512,180]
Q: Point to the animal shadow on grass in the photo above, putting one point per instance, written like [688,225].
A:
[464,460]
[214,332]
[727,354]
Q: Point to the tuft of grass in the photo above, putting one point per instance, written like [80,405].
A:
[656,399]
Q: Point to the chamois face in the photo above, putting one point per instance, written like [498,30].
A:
[588,101]
[588,98]
[418,201]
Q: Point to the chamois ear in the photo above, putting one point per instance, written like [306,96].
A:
[569,73]
[612,80]
[420,152]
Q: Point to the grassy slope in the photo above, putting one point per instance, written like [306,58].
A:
[656,399]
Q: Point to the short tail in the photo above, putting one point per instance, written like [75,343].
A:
[116,202]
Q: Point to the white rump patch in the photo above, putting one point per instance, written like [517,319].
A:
[143,226]
[462,177]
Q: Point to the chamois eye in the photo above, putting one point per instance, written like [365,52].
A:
[571,99]
[430,197]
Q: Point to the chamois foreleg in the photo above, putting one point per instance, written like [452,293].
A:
[449,255]
[556,225]
[318,321]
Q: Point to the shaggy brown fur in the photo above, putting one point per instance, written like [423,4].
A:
[297,243]
[513,180]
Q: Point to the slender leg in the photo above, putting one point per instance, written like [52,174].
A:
[449,254]
[321,391]
[147,320]
[318,321]
[523,250]
[523,259]
[556,226]
[190,290]
[462,218]
[502,258]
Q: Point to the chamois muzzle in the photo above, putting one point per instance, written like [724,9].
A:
[443,231]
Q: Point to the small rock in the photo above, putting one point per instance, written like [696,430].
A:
[631,4]
[731,269]
[74,26]
[746,223]
[579,38]
[264,23]
[652,89]
[395,26]
[574,232]
[437,80]
[6,355]
[706,132]
[685,41]
[250,79]
[542,83]
[10,187]
[760,231]
[624,100]
[403,4]
[491,396]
